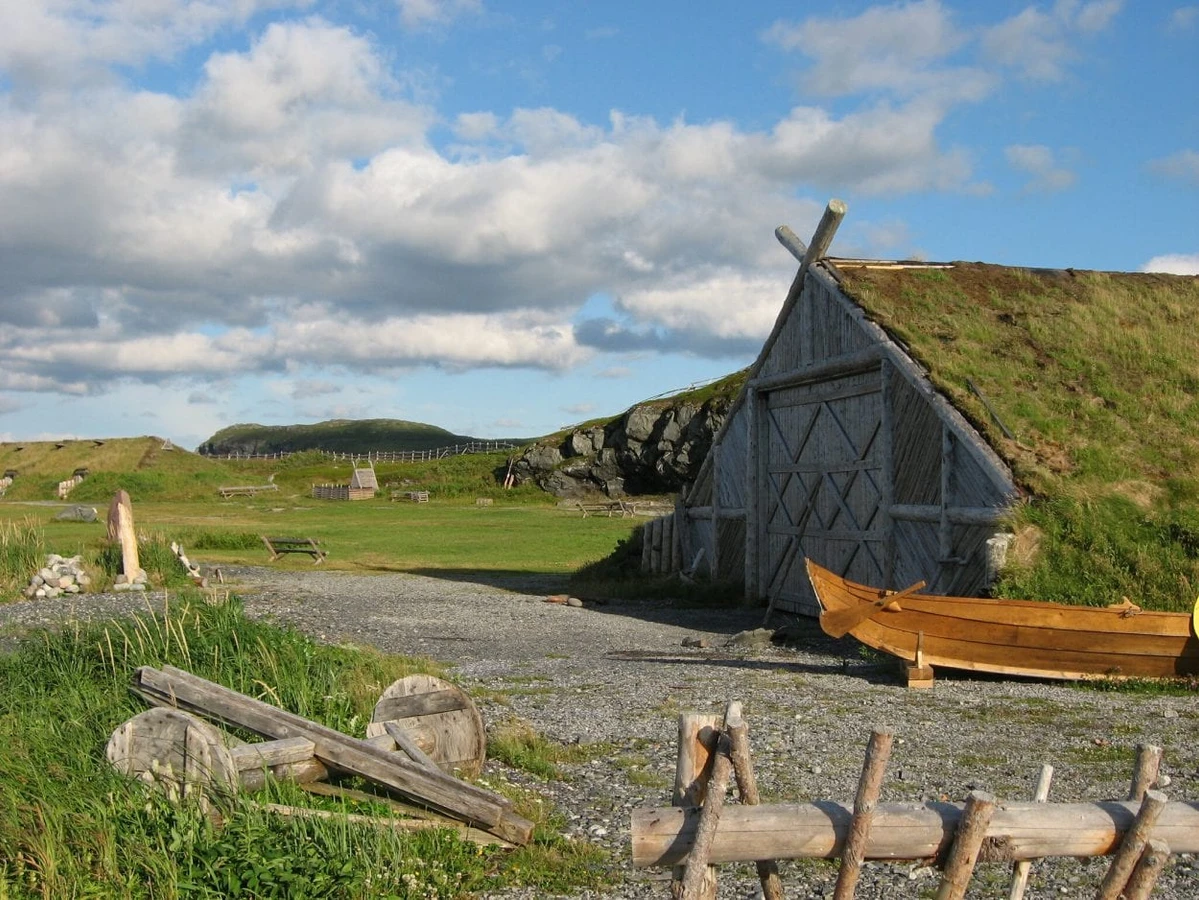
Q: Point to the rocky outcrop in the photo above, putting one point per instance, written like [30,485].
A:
[651,449]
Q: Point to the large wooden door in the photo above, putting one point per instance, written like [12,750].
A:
[823,485]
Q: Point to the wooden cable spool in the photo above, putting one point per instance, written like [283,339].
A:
[174,751]
[439,717]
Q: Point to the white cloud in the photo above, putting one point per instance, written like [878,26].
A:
[1183,165]
[899,48]
[1174,264]
[59,42]
[1184,18]
[603,32]
[1038,45]
[1040,162]
[425,13]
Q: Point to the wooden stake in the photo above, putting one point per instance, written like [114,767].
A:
[1149,866]
[698,736]
[696,873]
[747,786]
[972,828]
[1021,869]
[1145,771]
[878,751]
[1131,847]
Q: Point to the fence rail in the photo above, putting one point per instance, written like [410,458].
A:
[381,455]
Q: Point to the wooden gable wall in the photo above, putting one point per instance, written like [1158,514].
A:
[840,449]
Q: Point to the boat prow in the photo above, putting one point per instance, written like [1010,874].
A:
[1009,637]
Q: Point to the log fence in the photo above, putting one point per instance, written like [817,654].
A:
[699,831]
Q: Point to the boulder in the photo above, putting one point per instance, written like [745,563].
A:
[639,423]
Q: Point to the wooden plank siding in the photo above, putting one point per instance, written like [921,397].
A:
[839,448]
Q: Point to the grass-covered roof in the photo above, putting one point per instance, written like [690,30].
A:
[1096,377]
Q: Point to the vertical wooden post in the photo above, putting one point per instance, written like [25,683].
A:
[963,855]
[667,558]
[878,751]
[753,490]
[747,786]
[655,546]
[1021,869]
[1149,866]
[1145,770]
[120,528]
[945,529]
[1131,847]
[698,734]
[887,488]
[714,564]
[645,546]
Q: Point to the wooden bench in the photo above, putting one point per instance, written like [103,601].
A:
[280,545]
[608,508]
[414,496]
[245,490]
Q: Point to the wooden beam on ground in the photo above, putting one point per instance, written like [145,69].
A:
[905,831]
[173,687]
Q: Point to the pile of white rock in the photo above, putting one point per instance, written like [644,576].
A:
[137,583]
[58,576]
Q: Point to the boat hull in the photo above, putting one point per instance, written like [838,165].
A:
[1018,637]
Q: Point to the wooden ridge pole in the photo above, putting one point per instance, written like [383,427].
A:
[1021,869]
[747,786]
[878,752]
[963,856]
[1131,847]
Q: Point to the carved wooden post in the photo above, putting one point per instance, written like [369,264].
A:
[120,528]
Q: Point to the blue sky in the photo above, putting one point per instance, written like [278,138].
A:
[502,218]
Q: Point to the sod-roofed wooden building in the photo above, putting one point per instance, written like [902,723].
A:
[867,439]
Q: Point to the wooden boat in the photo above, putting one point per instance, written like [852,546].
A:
[1009,637]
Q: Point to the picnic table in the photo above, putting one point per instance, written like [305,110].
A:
[280,545]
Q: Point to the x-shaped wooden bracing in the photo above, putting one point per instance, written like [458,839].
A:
[839,492]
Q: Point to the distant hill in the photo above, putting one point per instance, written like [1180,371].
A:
[344,435]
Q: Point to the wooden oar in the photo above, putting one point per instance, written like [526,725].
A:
[839,622]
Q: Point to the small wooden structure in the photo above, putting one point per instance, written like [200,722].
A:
[277,546]
[607,508]
[301,749]
[840,449]
[699,831]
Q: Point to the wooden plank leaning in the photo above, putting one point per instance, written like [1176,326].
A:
[1132,845]
[176,688]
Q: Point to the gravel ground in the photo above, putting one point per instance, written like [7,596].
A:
[620,674]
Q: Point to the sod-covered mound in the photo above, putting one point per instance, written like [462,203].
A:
[1091,379]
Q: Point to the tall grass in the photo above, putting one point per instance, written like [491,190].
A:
[71,827]
[22,552]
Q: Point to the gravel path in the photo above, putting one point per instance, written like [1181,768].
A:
[619,674]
